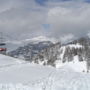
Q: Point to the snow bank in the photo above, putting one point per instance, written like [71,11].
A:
[77,65]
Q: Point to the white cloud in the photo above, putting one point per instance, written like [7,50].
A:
[24,18]
[73,20]
[88,34]
[66,38]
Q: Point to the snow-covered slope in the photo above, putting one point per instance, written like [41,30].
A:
[6,61]
[58,53]
[76,65]
[42,51]
[31,47]
[30,50]
[76,55]
[68,50]
[26,76]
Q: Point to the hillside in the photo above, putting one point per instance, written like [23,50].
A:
[61,54]
[43,52]
[29,50]
[26,76]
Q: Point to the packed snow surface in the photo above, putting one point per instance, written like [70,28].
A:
[6,61]
[76,65]
[26,76]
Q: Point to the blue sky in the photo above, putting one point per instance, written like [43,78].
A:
[54,18]
[43,2]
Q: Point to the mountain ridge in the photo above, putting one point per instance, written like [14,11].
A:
[55,54]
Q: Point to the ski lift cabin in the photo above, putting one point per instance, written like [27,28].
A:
[3,48]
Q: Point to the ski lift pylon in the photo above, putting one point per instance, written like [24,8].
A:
[3,48]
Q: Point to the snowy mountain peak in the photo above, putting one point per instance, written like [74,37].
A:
[14,44]
[40,39]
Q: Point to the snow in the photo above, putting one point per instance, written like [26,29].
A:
[63,49]
[40,39]
[59,64]
[75,46]
[8,61]
[14,44]
[77,65]
[26,76]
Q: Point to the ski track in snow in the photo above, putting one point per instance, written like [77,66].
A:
[63,81]
[60,79]
[45,83]
[72,82]
[75,82]
[64,78]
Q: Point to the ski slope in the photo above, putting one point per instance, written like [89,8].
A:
[6,61]
[18,75]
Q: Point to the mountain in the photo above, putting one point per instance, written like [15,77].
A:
[31,48]
[58,55]
[44,52]
[14,44]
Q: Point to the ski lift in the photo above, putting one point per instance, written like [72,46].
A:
[3,48]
